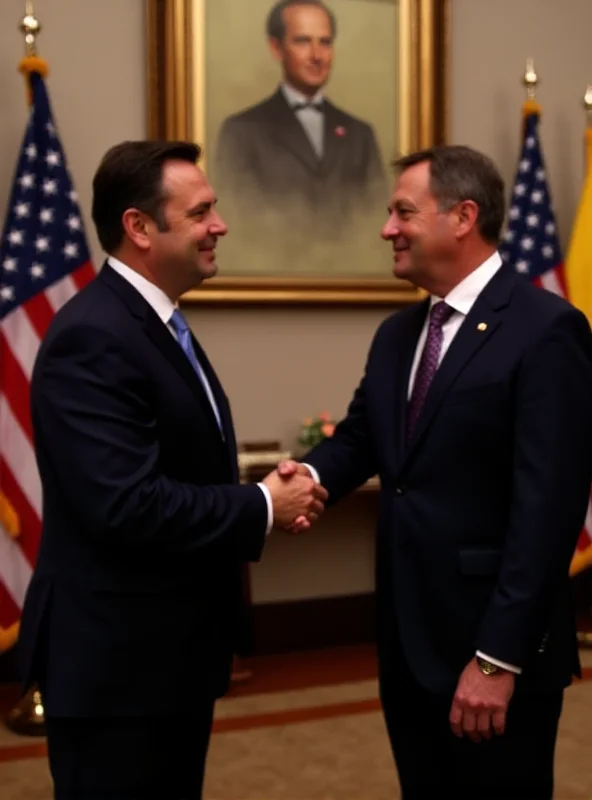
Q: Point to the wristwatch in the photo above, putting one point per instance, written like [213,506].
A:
[486,667]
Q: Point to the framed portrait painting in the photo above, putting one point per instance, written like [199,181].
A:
[300,108]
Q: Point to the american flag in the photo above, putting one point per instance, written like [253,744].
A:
[44,260]
[531,244]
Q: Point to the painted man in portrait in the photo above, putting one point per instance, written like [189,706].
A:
[296,153]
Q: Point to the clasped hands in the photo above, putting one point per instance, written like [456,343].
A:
[298,500]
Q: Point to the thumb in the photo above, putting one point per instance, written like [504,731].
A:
[287,468]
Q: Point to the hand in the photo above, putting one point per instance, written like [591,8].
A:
[481,703]
[294,497]
[286,469]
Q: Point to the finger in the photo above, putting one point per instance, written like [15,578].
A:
[469,724]
[298,525]
[484,724]
[320,492]
[455,718]
[315,507]
[286,468]
[498,721]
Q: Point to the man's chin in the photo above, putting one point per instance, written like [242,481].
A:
[402,268]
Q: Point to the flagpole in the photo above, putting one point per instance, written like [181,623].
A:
[28,715]
[585,637]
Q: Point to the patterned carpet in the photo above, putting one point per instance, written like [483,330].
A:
[308,727]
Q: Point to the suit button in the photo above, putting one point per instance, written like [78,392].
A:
[400,490]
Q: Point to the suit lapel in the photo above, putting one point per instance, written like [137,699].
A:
[334,138]
[478,327]
[162,338]
[289,133]
[405,346]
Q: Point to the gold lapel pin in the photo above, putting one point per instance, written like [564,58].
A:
[482,326]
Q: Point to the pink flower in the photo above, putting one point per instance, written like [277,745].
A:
[307,421]
[324,416]
[328,429]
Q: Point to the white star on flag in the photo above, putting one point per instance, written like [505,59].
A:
[22,210]
[15,237]
[27,180]
[530,141]
[537,196]
[52,158]
[514,212]
[37,270]
[42,243]
[532,220]
[550,228]
[522,266]
[71,250]
[509,236]
[9,264]
[525,165]
[31,152]
[73,195]
[46,215]
[548,251]
[50,187]
[527,243]
[73,222]
[540,174]
[520,189]
[6,293]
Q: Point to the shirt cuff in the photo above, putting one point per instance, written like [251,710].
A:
[313,473]
[498,663]
[269,501]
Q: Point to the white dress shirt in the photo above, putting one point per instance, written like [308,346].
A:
[164,307]
[461,299]
[311,120]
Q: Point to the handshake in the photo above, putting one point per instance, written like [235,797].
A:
[297,498]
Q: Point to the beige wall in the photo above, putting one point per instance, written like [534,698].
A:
[278,366]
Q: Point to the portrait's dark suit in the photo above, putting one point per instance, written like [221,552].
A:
[134,607]
[265,156]
[479,517]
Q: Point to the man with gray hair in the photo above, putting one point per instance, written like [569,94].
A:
[474,410]
[296,151]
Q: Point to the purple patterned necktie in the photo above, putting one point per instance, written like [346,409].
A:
[439,314]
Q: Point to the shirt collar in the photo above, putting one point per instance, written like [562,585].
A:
[293,96]
[464,294]
[155,297]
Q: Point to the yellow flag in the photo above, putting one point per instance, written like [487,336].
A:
[578,273]
[578,264]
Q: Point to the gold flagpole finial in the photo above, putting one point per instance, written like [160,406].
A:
[31,28]
[530,79]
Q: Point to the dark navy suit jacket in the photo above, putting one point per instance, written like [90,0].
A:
[135,599]
[480,513]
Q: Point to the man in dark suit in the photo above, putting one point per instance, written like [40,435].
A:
[474,410]
[134,607]
[296,151]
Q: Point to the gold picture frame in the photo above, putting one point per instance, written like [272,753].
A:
[176,92]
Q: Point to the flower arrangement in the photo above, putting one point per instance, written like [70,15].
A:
[315,429]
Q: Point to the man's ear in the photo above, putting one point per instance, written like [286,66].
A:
[277,51]
[467,214]
[136,226]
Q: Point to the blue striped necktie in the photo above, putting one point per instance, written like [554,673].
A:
[181,328]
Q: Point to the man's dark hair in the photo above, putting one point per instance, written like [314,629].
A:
[276,26]
[460,173]
[130,176]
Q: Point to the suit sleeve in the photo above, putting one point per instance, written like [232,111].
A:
[92,412]
[552,472]
[346,460]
